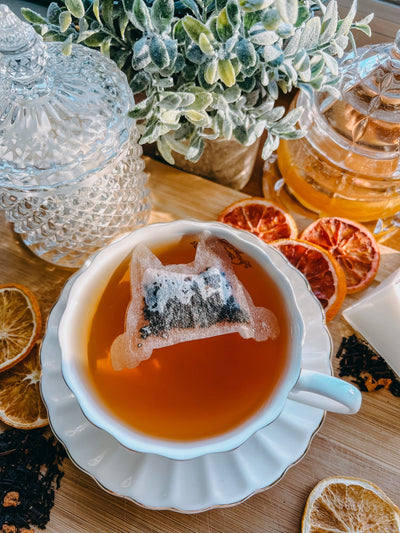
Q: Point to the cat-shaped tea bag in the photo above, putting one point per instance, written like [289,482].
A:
[178,303]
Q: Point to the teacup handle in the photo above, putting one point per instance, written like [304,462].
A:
[326,392]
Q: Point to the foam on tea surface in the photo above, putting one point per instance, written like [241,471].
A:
[178,303]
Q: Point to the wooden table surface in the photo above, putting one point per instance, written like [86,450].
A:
[364,445]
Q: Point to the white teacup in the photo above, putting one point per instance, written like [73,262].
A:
[313,388]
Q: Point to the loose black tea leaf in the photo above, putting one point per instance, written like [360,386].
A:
[367,369]
[30,473]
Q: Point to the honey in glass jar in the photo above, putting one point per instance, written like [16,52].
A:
[347,164]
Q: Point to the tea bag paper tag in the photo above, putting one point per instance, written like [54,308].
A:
[178,303]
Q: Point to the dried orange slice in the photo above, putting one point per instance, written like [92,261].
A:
[21,405]
[353,246]
[325,276]
[261,217]
[343,504]
[20,324]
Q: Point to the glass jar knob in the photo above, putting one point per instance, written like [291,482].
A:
[22,52]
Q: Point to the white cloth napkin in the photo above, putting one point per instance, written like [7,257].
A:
[377,318]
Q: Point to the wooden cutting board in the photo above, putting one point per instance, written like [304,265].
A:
[364,445]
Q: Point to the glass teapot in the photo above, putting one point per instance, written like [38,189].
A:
[347,164]
[71,173]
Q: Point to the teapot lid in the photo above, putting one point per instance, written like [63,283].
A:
[62,117]
[365,120]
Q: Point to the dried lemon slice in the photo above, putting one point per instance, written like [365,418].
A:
[346,504]
[20,324]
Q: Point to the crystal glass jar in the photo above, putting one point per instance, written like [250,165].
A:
[347,164]
[71,173]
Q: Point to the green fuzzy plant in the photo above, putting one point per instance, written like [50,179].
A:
[210,68]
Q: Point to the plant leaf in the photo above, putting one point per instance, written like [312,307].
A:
[195,54]
[310,35]
[271,53]
[192,5]
[196,117]
[151,133]
[248,84]
[346,23]
[105,46]
[141,54]
[224,28]
[107,9]
[240,134]
[179,32]
[224,124]
[196,149]
[121,57]
[293,43]
[139,14]
[187,99]
[205,45]
[53,13]
[176,145]
[158,52]
[364,28]
[329,23]
[95,39]
[330,62]
[96,10]
[233,13]
[273,89]
[140,82]
[142,110]
[32,16]
[83,25]
[288,10]
[250,6]
[295,134]
[251,18]
[264,37]
[65,21]
[246,53]
[271,19]
[170,100]
[66,46]
[75,7]
[162,12]
[172,49]
[232,94]
[220,4]
[194,28]
[226,72]
[171,116]
[270,145]
[288,122]
[165,150]
[202,101]
[184,132]
[211,72]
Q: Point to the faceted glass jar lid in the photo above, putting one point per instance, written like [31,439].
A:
[61,117]
[365,121]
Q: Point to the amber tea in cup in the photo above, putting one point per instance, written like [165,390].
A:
[196,389]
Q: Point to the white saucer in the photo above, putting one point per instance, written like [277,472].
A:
[214,480]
